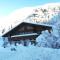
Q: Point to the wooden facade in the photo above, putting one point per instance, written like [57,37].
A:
[26,31]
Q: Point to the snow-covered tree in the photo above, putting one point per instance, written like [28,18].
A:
[3,30]
[51,40]
[43,39]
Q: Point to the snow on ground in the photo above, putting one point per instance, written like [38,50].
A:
[29,53]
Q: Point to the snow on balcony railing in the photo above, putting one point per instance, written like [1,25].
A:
[22,35]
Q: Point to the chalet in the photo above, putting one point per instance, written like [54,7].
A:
[26,32]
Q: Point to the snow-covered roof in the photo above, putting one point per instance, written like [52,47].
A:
[39,24]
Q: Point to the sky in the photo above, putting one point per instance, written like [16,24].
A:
[8,6]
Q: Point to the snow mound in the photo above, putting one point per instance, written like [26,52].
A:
[30,53]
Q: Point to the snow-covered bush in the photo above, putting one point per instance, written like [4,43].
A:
[5,39]
[43,39]
[1,41]
[47,39]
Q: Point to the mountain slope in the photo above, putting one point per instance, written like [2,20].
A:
[38,14]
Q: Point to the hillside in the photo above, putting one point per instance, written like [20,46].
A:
[44,13]
[38,14]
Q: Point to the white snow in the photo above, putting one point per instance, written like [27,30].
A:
[31,34]
[20,15]
[29,53]
[14,18]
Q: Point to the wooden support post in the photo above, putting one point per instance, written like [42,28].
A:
[9,39]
